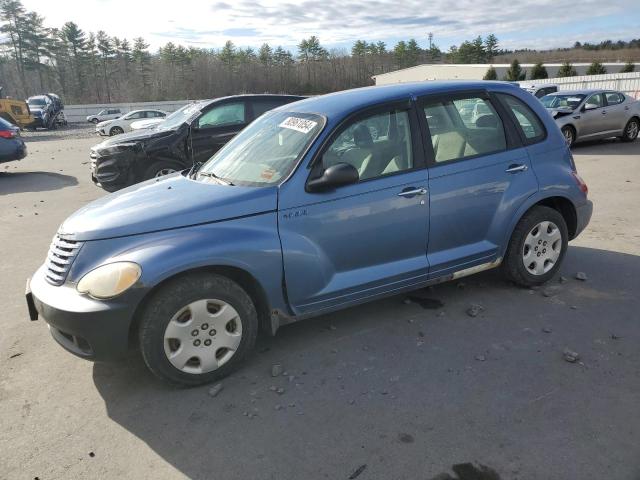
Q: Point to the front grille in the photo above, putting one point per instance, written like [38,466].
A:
[59,259]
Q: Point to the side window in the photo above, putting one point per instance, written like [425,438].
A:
[135,116]
[529,122]
[464,128]
[264,105]
[377,145]
[594,101]
[228,114]
[613,98]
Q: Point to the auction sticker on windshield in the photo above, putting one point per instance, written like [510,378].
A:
[299,124]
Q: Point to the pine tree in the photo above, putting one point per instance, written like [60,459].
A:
[628,67]
[491,46]
[596,68]
[106,50]
[538,72]
[491,74]
[567,70]
[515,73]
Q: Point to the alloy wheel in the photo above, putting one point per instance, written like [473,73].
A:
[632,130]
[568,136]
[202,336]
[164,171]
[542,248]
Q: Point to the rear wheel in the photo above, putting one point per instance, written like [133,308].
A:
[631,130]
[116,131]
[197,329]
[537,247]
[569,135]
[95,121]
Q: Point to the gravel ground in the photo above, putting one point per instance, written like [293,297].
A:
[396,389]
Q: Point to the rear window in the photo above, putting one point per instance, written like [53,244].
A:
[530,125]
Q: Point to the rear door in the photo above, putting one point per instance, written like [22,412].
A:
[617,112]
[479,174]
[261,105]
[216,126]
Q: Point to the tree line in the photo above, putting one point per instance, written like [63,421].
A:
[93,67]
[515,72]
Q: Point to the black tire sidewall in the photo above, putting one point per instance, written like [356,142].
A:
[513,265]
[174,296]
[625,137]
[115,131]
[573,134]
[151,171]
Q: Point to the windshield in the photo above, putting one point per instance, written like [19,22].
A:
[177,118]
[562,101]
[266,151]
[36,101]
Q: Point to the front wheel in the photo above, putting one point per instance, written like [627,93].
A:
[537,247]
[116,131]
[197,329]
[159,169]
[569,135]
[631,130]
[95,121]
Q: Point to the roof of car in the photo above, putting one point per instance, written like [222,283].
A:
[347,101]
[585,91]
[204,103]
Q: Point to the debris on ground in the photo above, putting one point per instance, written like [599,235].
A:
[276,370]
[215,390]
[20,353]
[570,356]
[356,473]
[581,276]
[562,279]
[475,309]
[405,438]
[551,291]
[547,329]
[481,358]
[280,391]
[614,336]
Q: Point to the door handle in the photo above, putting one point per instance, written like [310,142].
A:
[412,192]
[515,168]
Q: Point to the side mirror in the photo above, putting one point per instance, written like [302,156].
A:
[335,176]
[589,106]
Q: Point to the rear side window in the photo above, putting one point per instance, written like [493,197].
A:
[613,98]
[223,115]
[529,123]
[264,105]
[464,128]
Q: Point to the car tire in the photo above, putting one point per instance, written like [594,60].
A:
[115,131]
[533,257]
[160,169]
[185,343]
[569,134]
[95,121]
[631,130]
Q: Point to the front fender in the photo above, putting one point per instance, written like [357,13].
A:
[249,243]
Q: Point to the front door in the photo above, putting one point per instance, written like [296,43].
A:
[366,239]
[215,127]
[594,117]
[479,175]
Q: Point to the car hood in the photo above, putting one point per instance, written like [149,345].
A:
[131,137]
[559,112]
[171,202]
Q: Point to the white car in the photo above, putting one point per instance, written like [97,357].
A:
[123,124]
[105,114]
[146,124]
[539,90]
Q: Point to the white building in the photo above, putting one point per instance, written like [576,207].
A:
[444,71]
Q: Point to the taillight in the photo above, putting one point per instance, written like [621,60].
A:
[581,183]
[7,134]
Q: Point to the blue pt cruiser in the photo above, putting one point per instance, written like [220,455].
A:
[316,206]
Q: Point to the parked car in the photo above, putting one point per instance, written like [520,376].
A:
[47,110]
[191,134]
[104,115]
[594,114]
[16,112]
[122,124]
[146,124]
[304,213]
[539,90]
[12,147]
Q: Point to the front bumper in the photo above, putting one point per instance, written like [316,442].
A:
[111,172]
[583,214]
[88,328]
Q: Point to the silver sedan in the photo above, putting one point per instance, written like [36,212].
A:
[594,114]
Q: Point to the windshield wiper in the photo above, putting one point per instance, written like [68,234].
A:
[213,175]
[194,169]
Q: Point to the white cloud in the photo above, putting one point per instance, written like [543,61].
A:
[251,22]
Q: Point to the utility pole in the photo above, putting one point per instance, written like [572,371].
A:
[430,40]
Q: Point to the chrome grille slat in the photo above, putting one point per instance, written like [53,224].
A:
[59,259]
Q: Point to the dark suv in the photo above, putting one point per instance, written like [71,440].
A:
[189,135]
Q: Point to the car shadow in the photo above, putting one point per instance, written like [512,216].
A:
[394,389]
[609,146]
[21,182]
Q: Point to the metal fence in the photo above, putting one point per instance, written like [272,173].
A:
[79,113]
[628,83]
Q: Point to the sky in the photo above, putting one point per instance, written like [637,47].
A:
[535,24]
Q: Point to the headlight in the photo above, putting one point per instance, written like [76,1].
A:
[110,280]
